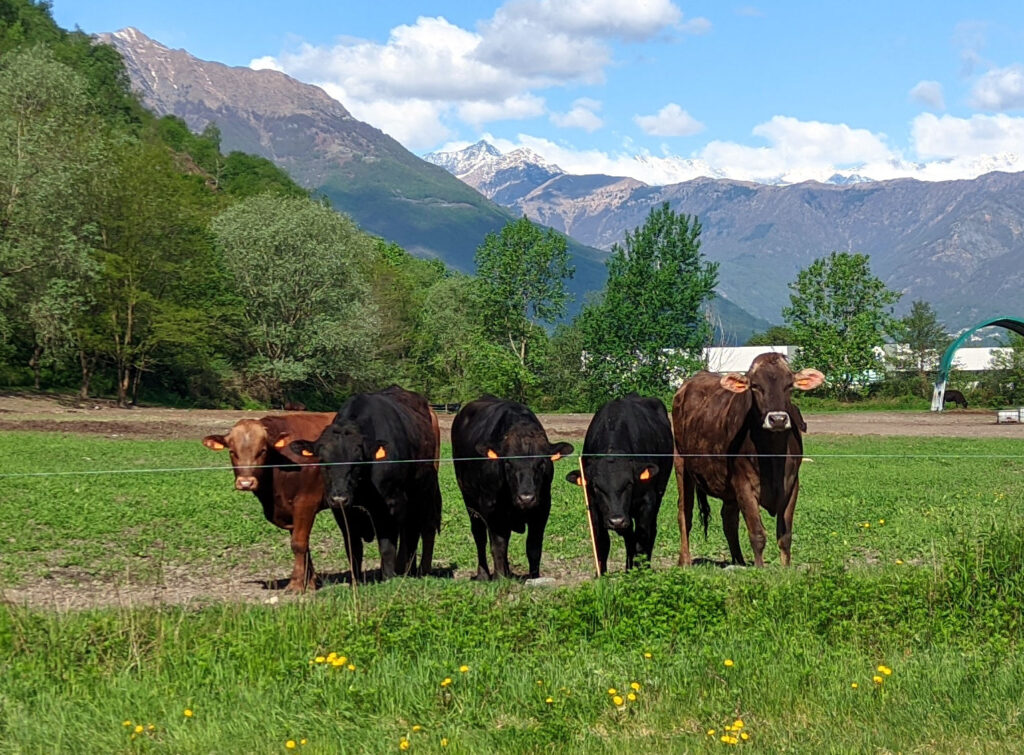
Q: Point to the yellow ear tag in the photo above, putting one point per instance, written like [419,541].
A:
[491,454]
[645,475]
[281,443]
[306,452]
[556,457]
[579,481]
[216,446]
[381,453]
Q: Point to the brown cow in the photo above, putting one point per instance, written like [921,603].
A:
[291,496]
[738,439]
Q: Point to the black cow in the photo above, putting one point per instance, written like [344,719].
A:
[627,458]
[367,453]
[503,464]
[738,438]
[956,397]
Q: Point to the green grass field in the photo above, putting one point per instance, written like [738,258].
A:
[933,590]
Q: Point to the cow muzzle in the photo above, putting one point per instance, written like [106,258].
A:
[526,500]
[617,522]
[777,421]
[248,484]
[338,501]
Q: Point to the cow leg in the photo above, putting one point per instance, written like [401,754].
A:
[646,530]
[408,542]
[302,524]
[784,526]
[535,541]
[499,551]
[353,544]
[685,485]
[629,540]
[427,556]
[387,537]
[755,528]
[479,528]
[601,540]
[429,529]
[731,528]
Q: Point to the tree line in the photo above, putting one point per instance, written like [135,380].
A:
[139,261]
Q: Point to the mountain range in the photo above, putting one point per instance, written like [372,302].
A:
[957,244]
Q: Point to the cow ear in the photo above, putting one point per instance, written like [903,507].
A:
[575,477]
[808,379]
[485,450]
[734,382]
[301,451]
[648,472]
[215,442]
[558,450]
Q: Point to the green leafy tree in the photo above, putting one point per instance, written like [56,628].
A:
[649,328]
[522,273]
[1005,382]
[776,335]
[924,336]
[308,316]
[838,313]
[53,155]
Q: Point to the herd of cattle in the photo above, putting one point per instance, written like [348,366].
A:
[374,464]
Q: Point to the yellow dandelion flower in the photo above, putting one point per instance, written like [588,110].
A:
[139,729]
[303,742]
[729,740]
[463,669]
[126,723]
[337,663]
[417,727]
[403,744]
[647,656]
[881,521]
[727,727]
[351,667]
[290,744]
[885,670]
[540,683]
[744,736]
[728,663]
[617,700]
[711,732]
[188,713]
[319,659]
[549,700]
[877,679]
[854,685]
[447,681]
[737,724]
[342,659]
[133,736]
[444,741]
[899,560]
[150,727]
[635,686]
[612,691]
[631,697]
[331,656]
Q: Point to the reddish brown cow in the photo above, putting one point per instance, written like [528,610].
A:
[738,439]
[290,495]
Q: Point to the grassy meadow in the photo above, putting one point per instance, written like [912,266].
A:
[909,556]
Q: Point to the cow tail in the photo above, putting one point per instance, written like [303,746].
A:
[705,510]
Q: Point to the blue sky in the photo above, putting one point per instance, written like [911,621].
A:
[659,90]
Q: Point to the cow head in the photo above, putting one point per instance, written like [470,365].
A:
[611,483]
[249,444]
[343,450]
[526,457]
[770,384]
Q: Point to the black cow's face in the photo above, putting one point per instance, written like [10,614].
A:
[526,465]
[612,485]
[771,384]
[341,449]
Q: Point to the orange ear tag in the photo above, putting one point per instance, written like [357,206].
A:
[556,457]
[645,475]
[491,454]
[306,452]
[381,453]
[579,481]
[281,443]
[216,446]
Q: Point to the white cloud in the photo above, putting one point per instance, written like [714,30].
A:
[623,19]
[1000,89]
[517,107]
[582,115]
[814,142]
[947,137]
[698,25]
[267,62]
[671,120]
[928,93]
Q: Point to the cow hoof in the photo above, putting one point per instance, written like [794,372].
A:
[481,576]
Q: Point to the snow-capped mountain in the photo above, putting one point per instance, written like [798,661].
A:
[504,178]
